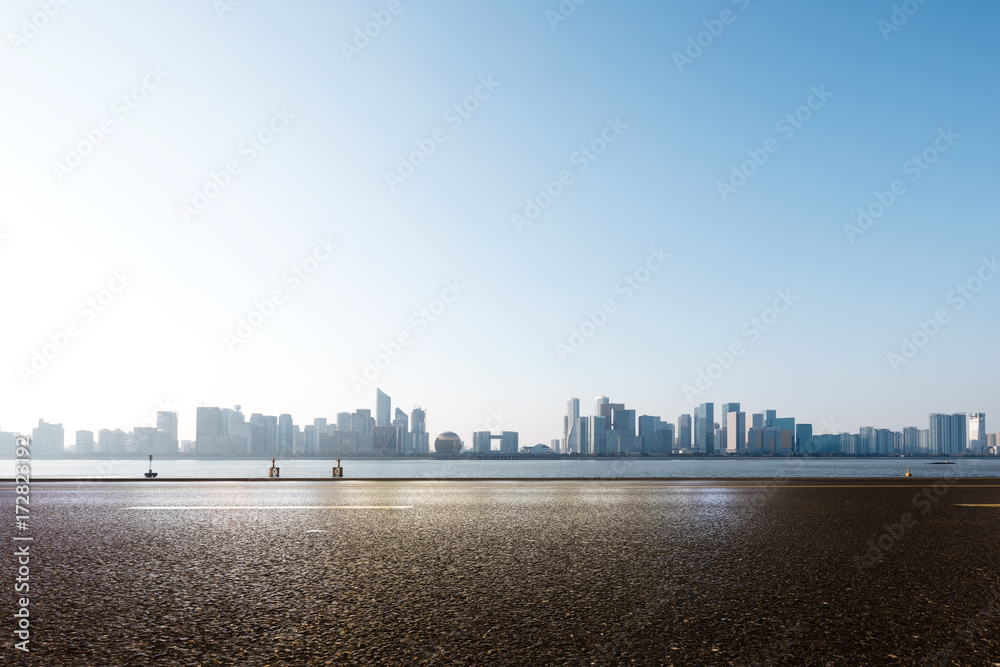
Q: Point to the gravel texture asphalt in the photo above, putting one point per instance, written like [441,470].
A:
[522,572]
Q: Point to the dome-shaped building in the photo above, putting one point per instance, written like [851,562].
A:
[447,443]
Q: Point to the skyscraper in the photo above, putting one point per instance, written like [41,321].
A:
[421,441]
[722,444]
[572,439]
[704,428]
[684,432]
[977,433]
[598,402]
[48,438]
[166,433]
[286,434]
[948,434]
[803,437]
[508,442]
[736,432]
[940,434]
[866,442]
[584,436]
[343,421]
[383,408]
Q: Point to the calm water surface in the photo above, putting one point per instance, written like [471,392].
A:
[605,468]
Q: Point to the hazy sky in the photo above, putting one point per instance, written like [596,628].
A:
[714,153]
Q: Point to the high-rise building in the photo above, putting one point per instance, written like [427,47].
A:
[383,408]
[648,425]
[940,434]
[208,424]
[977,433]
[704,428]
[723,443]
[229,418]
[508,442]
[384,441]
[866,441]
[343,421]
[572,439]
[257,443]
[167,441]
[286,434]
[736,432]
[684,432]
[598,402]
[911,440]
[48,439]
[948,434]
[883,441]
[556,445]
[803,437]
[482,442]
[421,441]
[598,435]
[84,442]
[402,425]
[959,433]
[584,436]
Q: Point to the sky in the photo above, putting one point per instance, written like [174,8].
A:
[487,208]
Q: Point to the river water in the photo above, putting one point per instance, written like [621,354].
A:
[568,468]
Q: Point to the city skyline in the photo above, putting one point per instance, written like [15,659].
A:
[613,429]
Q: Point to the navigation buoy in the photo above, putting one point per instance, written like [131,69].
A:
[150,473]
[908,472]
[273,471]
[337,470]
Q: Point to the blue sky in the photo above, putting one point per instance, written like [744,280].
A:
[554,87]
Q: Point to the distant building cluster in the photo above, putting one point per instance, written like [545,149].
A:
[614,430]
[225,432]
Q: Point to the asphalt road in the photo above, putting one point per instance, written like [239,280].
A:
[644,572]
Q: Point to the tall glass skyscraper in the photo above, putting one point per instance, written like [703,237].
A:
[383,408]
[684,432]
[572,439]
[704,428]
